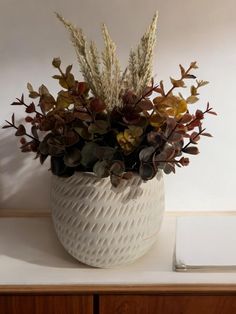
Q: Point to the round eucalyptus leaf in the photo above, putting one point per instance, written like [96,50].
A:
[101,169]
[89,154]
[72,157]
[146,171]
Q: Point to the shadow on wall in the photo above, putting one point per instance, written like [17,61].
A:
[24,183]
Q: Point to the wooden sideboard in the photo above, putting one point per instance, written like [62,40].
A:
[117,300]
[38,277]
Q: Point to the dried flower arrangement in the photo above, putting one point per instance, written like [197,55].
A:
[109,124]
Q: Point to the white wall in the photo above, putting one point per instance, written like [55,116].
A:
[188,30]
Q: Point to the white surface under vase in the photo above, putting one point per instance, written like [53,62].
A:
[103,226]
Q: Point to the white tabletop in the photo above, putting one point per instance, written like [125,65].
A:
[30,254]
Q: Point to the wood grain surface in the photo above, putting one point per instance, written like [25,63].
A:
[139,304]
[41,304]
[162,289]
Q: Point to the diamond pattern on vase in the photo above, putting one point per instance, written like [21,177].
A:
[103,226]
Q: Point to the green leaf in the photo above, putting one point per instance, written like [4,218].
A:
[192,99]
[43,90]
[70,80]
[64,99]
[68,69]
[100,127]
[30,87]
[47,102]
[146,171]
[34,95]
[105,152]
[146,153]
[88,154]
[136,131]
[56,62]
[83,132]
[117,167]
[57,77]
[63,83]
[101,169]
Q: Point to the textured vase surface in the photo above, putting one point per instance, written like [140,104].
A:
[103,226]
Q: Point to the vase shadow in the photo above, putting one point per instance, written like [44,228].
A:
[34,241]
[22,179]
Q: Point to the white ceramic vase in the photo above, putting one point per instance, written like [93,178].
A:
[103,226]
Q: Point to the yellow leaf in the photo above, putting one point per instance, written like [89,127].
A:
[171,112]
[124,144]
[194,91]
[182,106]
[177,83]
[156,121]
[129,137]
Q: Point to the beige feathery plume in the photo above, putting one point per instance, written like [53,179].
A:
[111,73]
[103,73]
[104,81]
[141,59]
[81,47]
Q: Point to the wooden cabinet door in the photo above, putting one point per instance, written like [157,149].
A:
[152,304]
[46,304]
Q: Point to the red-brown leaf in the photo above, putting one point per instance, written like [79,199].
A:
[30,108]
[127,175]
[212,112]
[82,88]
[195,137]
[21,130]
[23,141]
[13,119]
[199,114]
[186,118]
[97,105]
[184,161]
[34,131]
[192,150]
[29,119]
[146,104]
[206,134]
[84,116]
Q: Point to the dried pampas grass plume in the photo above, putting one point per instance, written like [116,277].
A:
[103,73]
